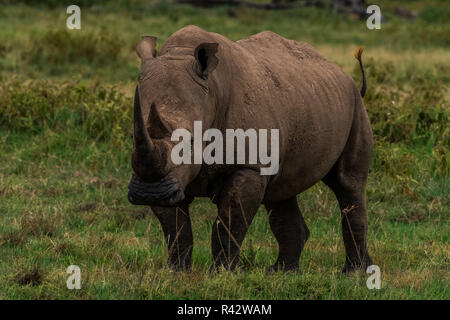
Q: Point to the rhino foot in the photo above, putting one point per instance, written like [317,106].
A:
[279,266]
[352,266]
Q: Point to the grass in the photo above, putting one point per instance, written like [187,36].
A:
[65,124]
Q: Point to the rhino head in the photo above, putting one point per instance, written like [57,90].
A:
[172,93]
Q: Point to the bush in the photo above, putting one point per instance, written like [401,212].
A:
[416,113]
[62,46]
[66,3]
[438,15]
[99,111]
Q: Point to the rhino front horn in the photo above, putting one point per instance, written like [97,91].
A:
[146,159]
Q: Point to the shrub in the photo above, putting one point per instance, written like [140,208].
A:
[65,3]
[439,15]
[412,113]
[61,46]
[96,110]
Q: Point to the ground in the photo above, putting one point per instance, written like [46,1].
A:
[65,124]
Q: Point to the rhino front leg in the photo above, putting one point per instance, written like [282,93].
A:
[291,232]
[238,202]
[176,225]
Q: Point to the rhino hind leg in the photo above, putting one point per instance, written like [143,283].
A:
[238,201]
[176,225]
[290,230]
[347,179]
[354,229]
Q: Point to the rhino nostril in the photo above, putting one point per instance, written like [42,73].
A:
[130,198]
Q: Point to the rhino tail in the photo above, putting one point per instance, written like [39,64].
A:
[358,56]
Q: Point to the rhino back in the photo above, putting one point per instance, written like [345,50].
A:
[311,101]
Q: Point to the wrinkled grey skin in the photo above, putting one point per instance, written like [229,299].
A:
[261,82]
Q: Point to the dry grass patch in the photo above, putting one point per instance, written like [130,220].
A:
[32,276]
[38,224]
[13,238]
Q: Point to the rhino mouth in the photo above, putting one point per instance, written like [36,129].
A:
[164,193]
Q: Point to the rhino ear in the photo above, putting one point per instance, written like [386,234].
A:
[146,49]
[205,54]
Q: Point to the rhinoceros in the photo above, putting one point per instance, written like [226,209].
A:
[261,82]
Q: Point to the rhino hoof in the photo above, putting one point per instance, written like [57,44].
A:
[351,267]
[283,267]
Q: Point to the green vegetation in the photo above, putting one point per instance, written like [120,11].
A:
[65,125]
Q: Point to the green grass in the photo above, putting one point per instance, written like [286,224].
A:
[65,122]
